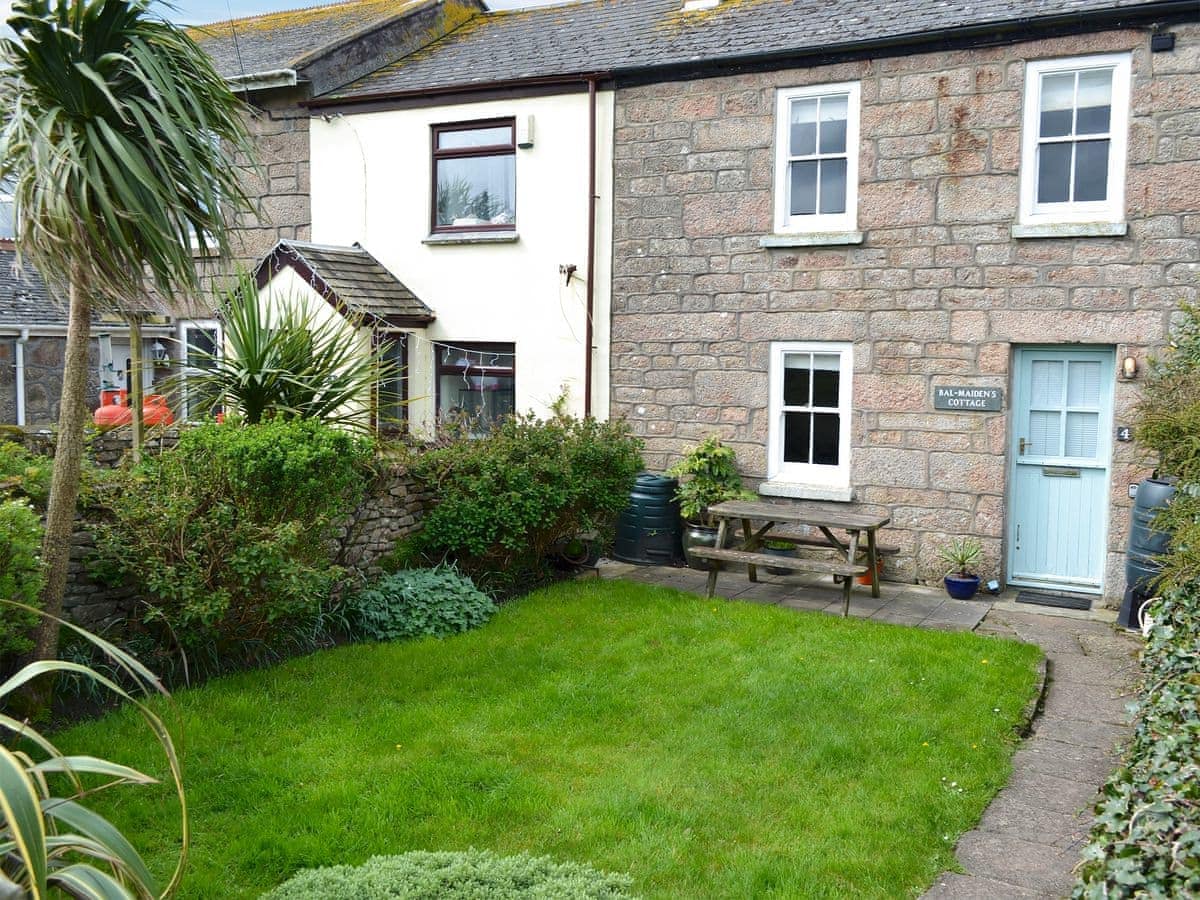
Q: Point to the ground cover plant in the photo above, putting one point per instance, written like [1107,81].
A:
[709,749]
[415,603]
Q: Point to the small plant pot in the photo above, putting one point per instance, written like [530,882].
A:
[962,587]
[865,577]
[789,552]
[698,536]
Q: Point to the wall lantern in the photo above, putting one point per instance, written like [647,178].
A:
[1129,368]
[160,354]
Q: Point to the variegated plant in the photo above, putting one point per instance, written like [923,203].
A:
[51,843]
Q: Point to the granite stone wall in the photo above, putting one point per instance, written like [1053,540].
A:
[937,292]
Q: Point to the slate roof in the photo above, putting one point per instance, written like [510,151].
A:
[616,36]
[282,40]
[352,276]
[24,297]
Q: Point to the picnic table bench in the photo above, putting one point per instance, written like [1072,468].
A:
[825,517]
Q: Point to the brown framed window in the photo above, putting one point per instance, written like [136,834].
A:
[475,176]
[476,383]
[392,393]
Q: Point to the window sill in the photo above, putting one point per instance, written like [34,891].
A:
[472,237]
[1071,229]
[806,491]
[812,239]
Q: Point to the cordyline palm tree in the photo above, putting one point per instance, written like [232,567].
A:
[120,138]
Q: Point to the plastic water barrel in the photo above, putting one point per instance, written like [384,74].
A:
[1145,545]
[648,531]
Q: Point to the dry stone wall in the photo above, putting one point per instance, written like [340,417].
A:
[938,291]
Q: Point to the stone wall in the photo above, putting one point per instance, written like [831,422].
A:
[43,378]
[937,291]
[391,511]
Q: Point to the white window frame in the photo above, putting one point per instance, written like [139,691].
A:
[1111,210]
[819,476]
[184,326]
[6,196]
[785,222]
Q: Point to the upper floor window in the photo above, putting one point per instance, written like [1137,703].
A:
[474,176]
[809,404]
[8,221]
[816,176]
[1075,135]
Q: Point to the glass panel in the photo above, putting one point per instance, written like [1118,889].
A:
[796,436]
[1083,384]
[1058,103]
[478,397]
[392,409]
[500,135]
[826,429]
[1054,173]
[1091,170]
[804,127]
[804,188]
[1044,433]
[833,186]
[833,124]
[1082,431]
[795,378]
[8,225]
[476,191]
[1046,389]
[1094,105]
[201,347]
[826,379]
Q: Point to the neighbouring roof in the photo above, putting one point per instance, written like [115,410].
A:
[24,297]
[625,36]
[282,40]
[350,278]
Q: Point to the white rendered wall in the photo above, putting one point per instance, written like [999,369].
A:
[371,181]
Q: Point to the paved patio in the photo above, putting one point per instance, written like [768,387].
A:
[900,604]
[1027,844]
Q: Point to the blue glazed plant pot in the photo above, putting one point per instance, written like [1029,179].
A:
[962,588]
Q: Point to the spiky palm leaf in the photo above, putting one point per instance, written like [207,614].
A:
[118,136]
[49,840]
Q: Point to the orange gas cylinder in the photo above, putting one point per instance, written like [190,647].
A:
[113,410]
[155,410]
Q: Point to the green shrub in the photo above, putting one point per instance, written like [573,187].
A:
[473,875]
[502,501]
[21,575]
[229,534]
[23,473]
[1145,840]
[418,602]
[712,477]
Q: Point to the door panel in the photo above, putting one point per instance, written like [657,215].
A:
[1061,427]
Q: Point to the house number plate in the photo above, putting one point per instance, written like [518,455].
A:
[968,399]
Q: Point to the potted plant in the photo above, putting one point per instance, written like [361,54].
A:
[779,548]
[960,556]
[710,470]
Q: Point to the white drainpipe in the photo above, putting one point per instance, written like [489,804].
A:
[20,367]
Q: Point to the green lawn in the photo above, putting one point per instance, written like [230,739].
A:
[710,749]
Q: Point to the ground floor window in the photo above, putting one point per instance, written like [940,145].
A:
[393,392]
[476,382]
[810,407]
[199,347]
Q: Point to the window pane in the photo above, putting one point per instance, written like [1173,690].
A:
[804,188]
[1094,108]
[1082,431]
[795,378]
[804,127]
[833,124]
[1054,173]
[392,409]
[1044,433]
[1047,388]
[1083,384]
[8,229]
[201,346]
[1058,102]
[826,379]
[476,191]
[477,391]
[796,436]
[826,429]
[1091,170]
[475,137]
[833,186]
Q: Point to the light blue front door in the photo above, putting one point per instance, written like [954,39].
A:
[1061,447]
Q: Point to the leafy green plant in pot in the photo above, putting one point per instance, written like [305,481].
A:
[960,556]
[710,470]
[779,548]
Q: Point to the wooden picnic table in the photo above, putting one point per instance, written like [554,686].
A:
[825,517]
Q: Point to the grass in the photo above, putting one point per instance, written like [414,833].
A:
[710,749]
